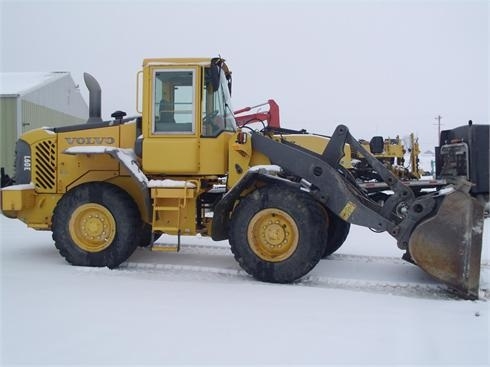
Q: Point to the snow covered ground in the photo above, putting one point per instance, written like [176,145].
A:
[362,306]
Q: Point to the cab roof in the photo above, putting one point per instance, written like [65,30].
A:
[178,61]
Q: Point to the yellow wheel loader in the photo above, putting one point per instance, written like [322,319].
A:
[283,199]
[391,152]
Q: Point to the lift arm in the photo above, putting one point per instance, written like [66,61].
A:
[332,185]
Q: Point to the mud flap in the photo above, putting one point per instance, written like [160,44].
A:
[448,245]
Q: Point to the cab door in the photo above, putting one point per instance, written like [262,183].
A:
[172,110]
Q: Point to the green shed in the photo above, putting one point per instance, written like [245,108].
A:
[30,100]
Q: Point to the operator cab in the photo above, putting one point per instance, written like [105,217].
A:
[187,118]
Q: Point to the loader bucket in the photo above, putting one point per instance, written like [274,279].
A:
[448,245]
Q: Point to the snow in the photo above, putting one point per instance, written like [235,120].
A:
[89,149]
[13,83]
[48,130]
[362,306]
[168,183]
[129,159]
[19,187]
[268,168]
[446,190]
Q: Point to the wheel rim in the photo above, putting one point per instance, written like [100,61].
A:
[92,227]
[272,235]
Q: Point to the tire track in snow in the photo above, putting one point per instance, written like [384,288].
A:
[408,289]
[203,273]
[224,250]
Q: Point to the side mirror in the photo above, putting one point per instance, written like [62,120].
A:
[215,69]
[218,64]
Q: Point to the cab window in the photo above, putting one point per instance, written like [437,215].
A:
[173,101]
[217,115]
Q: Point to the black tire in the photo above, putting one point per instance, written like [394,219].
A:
[147,236]
[338,231]
[156,235]
[96,224]
[296,220]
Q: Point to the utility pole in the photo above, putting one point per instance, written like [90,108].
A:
[438,118]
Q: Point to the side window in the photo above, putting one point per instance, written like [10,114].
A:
[173,102]
[216,116]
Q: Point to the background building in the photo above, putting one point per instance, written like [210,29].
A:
[32,100]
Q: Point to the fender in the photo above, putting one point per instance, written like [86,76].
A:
[126,157]
[223,209]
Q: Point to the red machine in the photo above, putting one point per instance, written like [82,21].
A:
[271,116]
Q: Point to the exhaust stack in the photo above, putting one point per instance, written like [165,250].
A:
[95,99]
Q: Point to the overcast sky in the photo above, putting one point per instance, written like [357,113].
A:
[380,67]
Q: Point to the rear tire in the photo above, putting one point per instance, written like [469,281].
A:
[96,224]
[338,231]
[277,234]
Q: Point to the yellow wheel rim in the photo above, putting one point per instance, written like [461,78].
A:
[272,235]
[92,227]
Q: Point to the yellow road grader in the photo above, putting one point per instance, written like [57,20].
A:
[284,199]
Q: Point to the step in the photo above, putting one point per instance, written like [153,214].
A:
[166,208]
[165,248]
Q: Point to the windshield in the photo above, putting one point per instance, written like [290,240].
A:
[217,111]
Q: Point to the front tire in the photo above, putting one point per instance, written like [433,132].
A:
[96,224]
[146,235]
[277,234]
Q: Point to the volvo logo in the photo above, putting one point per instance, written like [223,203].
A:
[91,140]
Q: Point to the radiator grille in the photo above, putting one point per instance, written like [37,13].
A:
[44,165]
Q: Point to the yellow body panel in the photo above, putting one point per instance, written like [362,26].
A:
[36,135]
[394,150]
[171,155]
[213,154]
[240,159]
[74,170]
[242,156]
[15,199]
[89,176]
[32,208]
[317,144]
[127,135]
[174,210]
